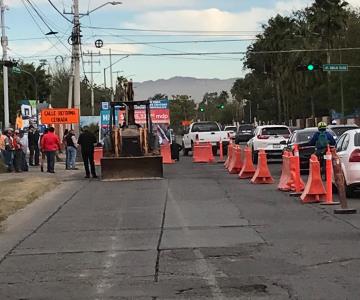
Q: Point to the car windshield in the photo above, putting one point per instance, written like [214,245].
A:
[304,136]
[232,128]
[340,130]
[246,128]
[275,131]
[204,127]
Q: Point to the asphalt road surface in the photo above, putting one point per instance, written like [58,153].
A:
[200,233]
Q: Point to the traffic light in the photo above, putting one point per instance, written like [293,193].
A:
[308,67]
[202,109]
[221,106]
[9,63]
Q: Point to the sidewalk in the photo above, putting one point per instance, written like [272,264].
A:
[17,190]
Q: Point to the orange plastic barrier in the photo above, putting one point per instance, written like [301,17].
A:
[202,153]
[229,155]
[165,151]
[314,190]
[248,169]
[235,165]
[296,183]
[98,154]
[285,172]
[262,174]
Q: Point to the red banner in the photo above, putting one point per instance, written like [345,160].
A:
[158,116]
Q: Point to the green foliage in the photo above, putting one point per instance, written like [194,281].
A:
[182,108]
[276,90]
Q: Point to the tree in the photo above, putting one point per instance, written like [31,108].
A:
[182,108]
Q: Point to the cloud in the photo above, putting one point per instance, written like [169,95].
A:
[213,18]
[128,49]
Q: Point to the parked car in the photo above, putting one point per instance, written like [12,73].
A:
[302,137]
[231,130]
[340,129]
[244,133]
[205,132]
[348,149]
[271,138]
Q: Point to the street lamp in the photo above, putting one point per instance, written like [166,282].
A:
[102,5]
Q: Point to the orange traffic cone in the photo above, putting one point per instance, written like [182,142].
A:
[229,155]
[221,158]
[314,190]
[285,172]
[329,174]
[262,173]
[296,183]
[248,169]
[236,163]
[166,154]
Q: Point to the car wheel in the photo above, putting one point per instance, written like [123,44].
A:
[185,151]
[349,191]
[214,150]
[254,156]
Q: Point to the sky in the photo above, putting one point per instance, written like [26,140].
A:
[171,27]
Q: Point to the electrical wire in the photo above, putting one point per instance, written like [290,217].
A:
[61,14]
[39,15]
[179,42]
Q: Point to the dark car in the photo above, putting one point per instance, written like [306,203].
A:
[244,133]
[340,129]
[301,138]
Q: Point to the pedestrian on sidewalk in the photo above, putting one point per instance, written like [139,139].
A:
[50,143]
[18,154]
[9,150]
[33,143]
[24,148]
[71,150]
[43,156]
[66,132]
[87,141]
[2,146]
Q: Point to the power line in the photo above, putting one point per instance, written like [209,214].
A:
[39,15]
[173,31]
[61,14]
[179,42]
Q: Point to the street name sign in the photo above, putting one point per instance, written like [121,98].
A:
[335,67]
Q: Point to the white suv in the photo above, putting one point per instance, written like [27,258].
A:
[271,138]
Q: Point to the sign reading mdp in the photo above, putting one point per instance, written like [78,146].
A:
[60,116]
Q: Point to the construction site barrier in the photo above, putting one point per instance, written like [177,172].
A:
[202,153]
[98,155]
[235,165]
[262,174]
[248,169]
[165,151]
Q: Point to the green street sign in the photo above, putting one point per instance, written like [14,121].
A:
[16,70]
[336,67]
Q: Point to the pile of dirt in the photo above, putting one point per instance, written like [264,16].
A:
[16,193]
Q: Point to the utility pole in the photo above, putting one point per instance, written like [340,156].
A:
[4,44]
[76,51]
[71,85]
[111,78]
[91,62]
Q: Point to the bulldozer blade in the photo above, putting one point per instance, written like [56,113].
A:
[131,168]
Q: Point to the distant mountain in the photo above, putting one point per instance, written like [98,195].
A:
[194,87]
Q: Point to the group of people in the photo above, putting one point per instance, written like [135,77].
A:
[15,145]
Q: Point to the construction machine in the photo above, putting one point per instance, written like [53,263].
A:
[131,150]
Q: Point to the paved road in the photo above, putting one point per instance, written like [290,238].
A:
[198,234]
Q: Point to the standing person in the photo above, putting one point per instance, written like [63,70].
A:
[71,150]
[18,155]
[43,156]
[24,147]
[50,143]
[87,141]
[33,143]
[66,132]
[9,150]
[2,145]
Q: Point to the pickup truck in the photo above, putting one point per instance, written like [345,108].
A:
[205,132]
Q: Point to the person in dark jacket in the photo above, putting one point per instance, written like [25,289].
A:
[71,150]
[87,141]
[33,143]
